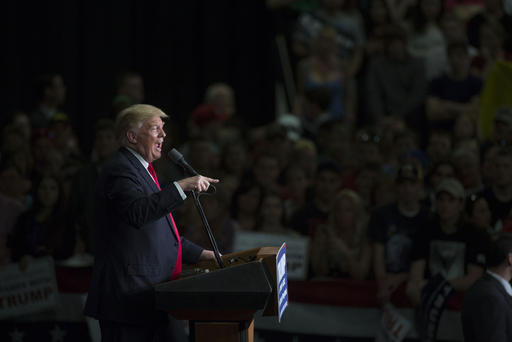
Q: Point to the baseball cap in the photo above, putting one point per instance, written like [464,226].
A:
[452,187]
[409,172]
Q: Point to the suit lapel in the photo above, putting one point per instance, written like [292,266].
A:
[499,288]
[148,179]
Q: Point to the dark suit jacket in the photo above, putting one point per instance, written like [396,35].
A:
[136,246]
[487,312]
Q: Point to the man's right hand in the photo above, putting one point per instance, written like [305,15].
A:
[197,183]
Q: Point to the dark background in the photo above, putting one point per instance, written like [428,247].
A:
[179,48]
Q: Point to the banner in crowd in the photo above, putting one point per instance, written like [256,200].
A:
[30,291]
[394,327]
[296,249]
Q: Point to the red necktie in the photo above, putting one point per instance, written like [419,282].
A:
[177,269]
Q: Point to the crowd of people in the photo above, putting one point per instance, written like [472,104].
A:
[381,163]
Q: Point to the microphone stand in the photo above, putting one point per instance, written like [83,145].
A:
[208,230]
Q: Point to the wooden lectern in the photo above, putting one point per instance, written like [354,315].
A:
[220,303]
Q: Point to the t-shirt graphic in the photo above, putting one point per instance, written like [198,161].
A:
[398,252]
[447,258]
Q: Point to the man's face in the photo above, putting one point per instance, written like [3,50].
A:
[409,190]
[448,207]
[503,169]
[149,140]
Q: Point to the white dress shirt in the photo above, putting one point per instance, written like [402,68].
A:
[146,164]
[503,282]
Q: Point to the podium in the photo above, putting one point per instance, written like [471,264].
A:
[220,303]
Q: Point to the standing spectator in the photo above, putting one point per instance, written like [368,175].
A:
[344,17]
[396,83]
[455,93]
[426,39]
[448,246]
[50,96]
[493,13]
[296,183]
[271,217]
[499,194]
[340,247]
[316,210]
[245,204]
[478,213]
[81,199]
[130,84]
[41,230]
[325,69]
[467,167]
[392,229]
[439,146]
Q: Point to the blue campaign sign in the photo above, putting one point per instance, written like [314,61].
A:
[282,282]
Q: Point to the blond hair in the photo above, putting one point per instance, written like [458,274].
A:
[133,117]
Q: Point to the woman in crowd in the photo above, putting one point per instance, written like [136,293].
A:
[41,230]
[340,247]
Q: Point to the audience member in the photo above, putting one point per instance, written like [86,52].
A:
[478,213]
[340,247]
[448,245]
[454,93]
[393,228]
[389,95]
[426,39]
[316,210]
[499,194]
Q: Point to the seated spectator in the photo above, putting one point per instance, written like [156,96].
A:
[316,210]
[454,93]
[340,247]
[41,231]
[447,246]
[388,95]
[392,229]
[499,194]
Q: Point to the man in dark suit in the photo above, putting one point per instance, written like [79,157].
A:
[487,306]
[137,241]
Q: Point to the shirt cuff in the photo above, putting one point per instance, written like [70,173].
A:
[180,190]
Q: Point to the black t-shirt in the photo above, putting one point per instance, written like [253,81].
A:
[461,91]
[449,254]
[307,219]
[389,227]
[499,209]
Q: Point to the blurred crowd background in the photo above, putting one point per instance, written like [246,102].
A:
[379,129]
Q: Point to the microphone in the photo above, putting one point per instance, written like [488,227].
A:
[178,159]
